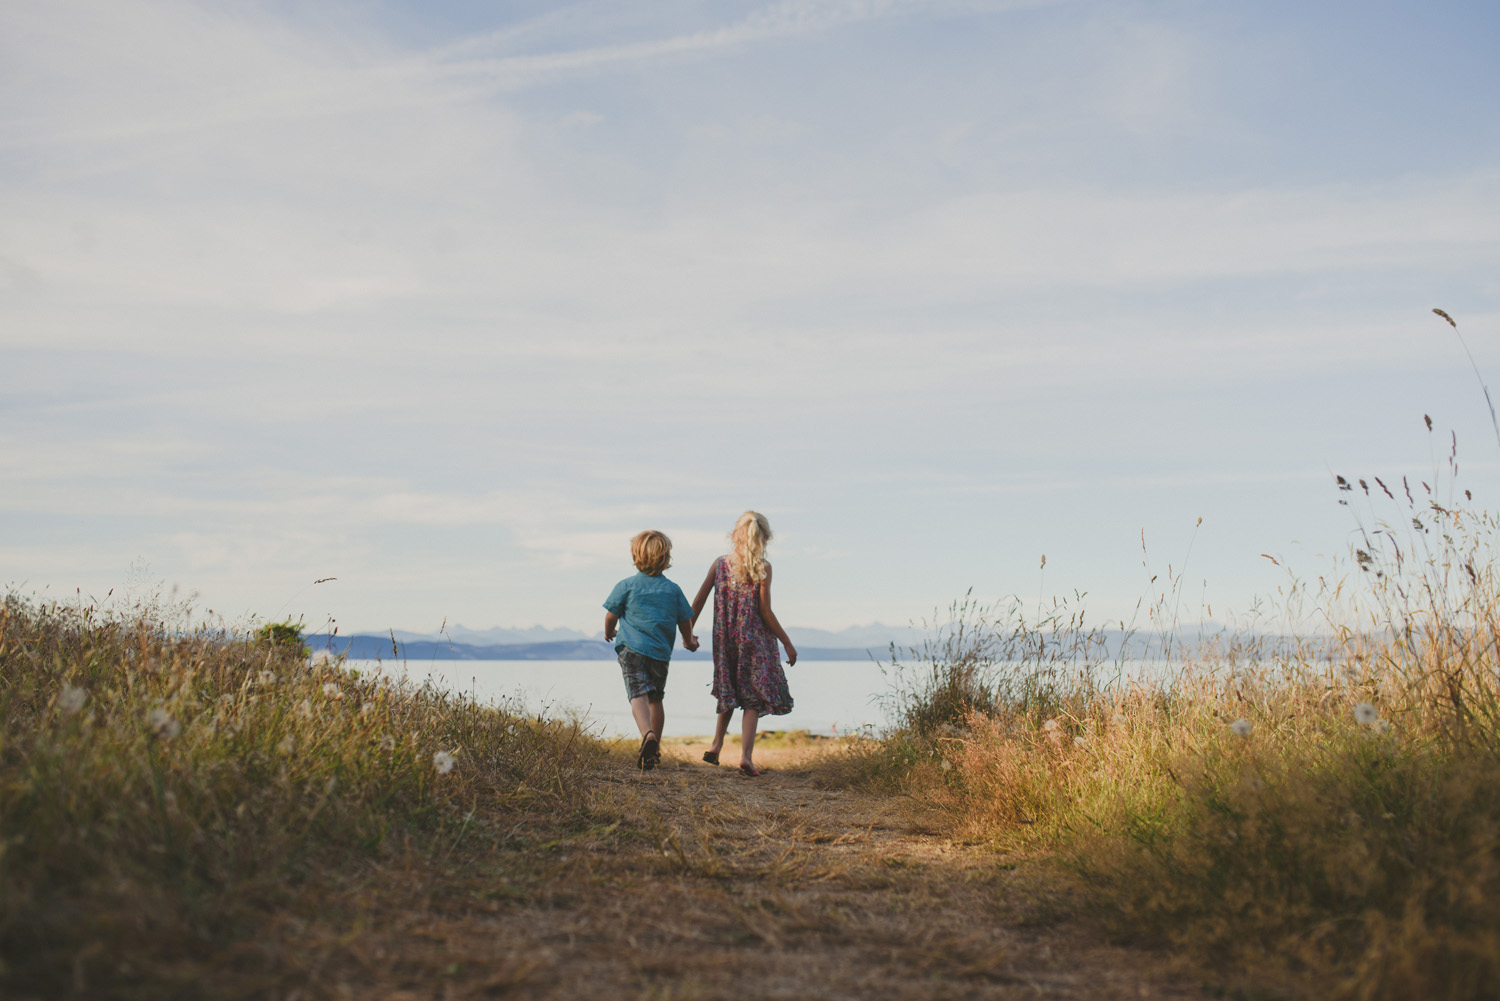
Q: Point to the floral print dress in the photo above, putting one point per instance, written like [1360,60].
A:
[747,662]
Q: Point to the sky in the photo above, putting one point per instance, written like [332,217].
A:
[447,300]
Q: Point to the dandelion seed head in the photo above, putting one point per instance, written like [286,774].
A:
[366,708]
[387,743]
[332,690]
[947,765]
[320,658]
[443,762]
[1241,727]
[1079,742]
[287,745]
[267,678]
[1050,725]
[1366,714]
[305,709]
[162,724]
[71,700]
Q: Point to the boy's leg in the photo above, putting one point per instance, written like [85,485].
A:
[748,721]
[658,717]
[640,708]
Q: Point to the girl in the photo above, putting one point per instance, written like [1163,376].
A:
[747,665]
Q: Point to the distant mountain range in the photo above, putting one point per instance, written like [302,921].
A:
[871,642]
[393,647]
[875,636]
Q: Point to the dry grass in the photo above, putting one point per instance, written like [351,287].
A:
[168,801]
[1302,824]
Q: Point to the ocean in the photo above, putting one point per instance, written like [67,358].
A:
[831,696]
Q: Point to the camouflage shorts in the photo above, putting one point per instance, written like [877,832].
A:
[643,675]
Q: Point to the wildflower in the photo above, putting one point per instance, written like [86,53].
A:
[366,708]
[443,762]
[321,658]
[71,700]
[1241,727]
[387,743]
[162,724]
[305,709]
[1050,726]
[288,744]
[1366,714]
[332,690]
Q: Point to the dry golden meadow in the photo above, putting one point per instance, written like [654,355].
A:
[188,814]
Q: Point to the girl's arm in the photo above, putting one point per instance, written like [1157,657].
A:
[769,618]
[702,599]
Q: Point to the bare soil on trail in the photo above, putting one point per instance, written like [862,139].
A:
[707,884]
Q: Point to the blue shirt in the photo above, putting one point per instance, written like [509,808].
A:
[649,609]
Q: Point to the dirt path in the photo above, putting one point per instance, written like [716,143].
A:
[714,885]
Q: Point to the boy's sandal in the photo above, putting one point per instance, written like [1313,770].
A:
[750,770]
[712,757]
[650,751]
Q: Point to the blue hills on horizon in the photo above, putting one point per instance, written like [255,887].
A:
[371,647]
[540,643]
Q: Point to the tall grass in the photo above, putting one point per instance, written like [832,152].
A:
[1315,820]
[162,792]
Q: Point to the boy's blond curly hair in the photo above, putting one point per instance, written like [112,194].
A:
[651,551]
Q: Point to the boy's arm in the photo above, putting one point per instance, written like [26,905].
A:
[611,620]
[769,618]
[702,599]
[689,641]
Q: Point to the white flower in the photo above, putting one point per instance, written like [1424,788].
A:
[288,744]
[71,700]
[332,690]
[1366,714]
[443,762]
[305,709]
[1241,727]
[387,743]
[162,724]
[366,708]
[267,678]
[321,658]
[1050,725]
[947,765]
[1080,742]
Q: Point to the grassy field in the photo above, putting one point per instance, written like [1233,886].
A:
[1301,821]
[186,813]
[175,807]
[198,815]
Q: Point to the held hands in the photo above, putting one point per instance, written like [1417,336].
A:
[690,642]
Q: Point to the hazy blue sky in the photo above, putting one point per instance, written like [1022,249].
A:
[447,300]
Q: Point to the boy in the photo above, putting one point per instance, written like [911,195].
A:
[646,608]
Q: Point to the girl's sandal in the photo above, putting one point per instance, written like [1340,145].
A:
[750,770]
[712,757]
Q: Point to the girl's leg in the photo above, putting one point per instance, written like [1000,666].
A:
[748,720]
[721,727]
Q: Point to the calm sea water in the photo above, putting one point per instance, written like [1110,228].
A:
[831,696]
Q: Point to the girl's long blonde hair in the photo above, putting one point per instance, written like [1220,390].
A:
[747,547]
